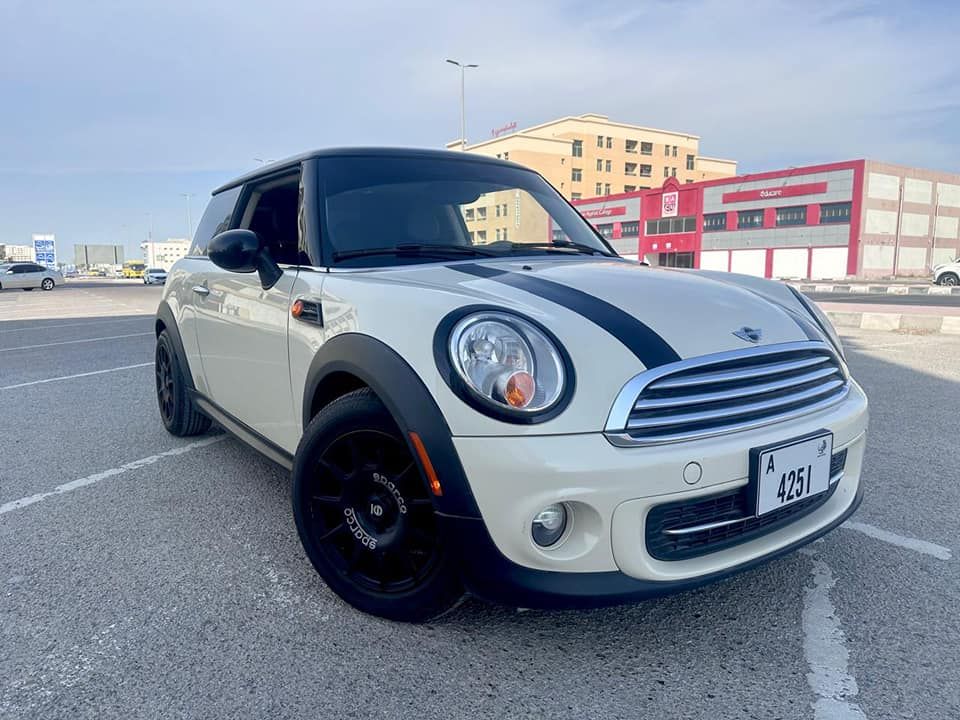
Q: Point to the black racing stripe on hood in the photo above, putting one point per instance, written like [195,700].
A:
[651,349]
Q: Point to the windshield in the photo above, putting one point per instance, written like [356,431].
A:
[156,270]
[401,210]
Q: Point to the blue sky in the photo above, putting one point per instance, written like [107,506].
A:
[110,109]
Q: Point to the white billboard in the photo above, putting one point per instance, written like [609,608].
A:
[45,250]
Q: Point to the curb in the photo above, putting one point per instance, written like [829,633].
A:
[878,289]
[946,325]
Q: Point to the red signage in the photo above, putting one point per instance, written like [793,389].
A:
[509,127]
[604,211]
[668,204]
[775,192]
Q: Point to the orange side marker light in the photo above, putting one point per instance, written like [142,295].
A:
[297,308]
[432,478]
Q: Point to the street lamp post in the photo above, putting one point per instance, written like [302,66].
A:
[463,120]
[189,219]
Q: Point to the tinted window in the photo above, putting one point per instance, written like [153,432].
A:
[273,213]
[215,219]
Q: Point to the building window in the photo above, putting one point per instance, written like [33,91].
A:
[666,151]
[482,235]
[669,226]
[646,170]
[506,156]
[599,188]
[469,213]
[609,166]
[629,168]
[606,229]
[481,213]
[577,148]
[688,181]
[674,150]
[498,234]
[470,234]
[599,165]
[606,189]
[835,213]
[691,160]
[576,174]
[575,196]
[600,141]
[504,209]
[498,211]
[666,171]
[630,229]
[715,221]
[630,146]
[673,172]
[609,143]
[749,219]
[792,215]
[646,148]
[629,188]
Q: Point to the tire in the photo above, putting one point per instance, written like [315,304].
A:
[949,278]
[179,415]
[47,284]
[365,517]
[28,289]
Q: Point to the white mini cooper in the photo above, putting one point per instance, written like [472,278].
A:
[475,392]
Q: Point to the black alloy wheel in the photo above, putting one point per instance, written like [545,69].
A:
[165,393]
[365,516]
[177,411]
[949,279]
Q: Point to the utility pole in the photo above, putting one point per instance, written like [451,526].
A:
[463,119]
[189,220]
[896,242]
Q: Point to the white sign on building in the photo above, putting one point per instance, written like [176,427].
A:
[45,250]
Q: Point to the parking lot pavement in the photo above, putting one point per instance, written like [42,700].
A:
[143,575]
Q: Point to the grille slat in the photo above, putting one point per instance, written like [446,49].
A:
[687,529]
[728,392]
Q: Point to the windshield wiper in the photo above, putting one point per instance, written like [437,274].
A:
[566,245]
[415,249]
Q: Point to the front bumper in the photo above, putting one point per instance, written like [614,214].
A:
[604,558]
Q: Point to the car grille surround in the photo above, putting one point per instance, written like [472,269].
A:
[727,392]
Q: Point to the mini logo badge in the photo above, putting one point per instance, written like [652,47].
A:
[822,448]
[749,334]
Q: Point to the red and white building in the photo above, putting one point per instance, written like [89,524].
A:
[855,218]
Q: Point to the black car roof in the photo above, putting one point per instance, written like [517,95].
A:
[280,165]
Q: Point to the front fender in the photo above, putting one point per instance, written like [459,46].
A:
[410,403]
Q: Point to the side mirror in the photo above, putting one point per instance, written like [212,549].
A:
[242,251]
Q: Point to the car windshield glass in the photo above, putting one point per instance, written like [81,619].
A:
[401,210]
[156,270]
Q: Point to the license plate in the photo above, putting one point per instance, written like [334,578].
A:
[788,472]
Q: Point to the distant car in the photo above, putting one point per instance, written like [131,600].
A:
[27,276]
[948,273]
[154,275]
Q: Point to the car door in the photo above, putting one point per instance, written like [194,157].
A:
[18,277]
[242,327]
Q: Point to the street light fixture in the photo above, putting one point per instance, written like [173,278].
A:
[463,122]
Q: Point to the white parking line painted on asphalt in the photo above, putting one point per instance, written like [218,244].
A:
[93,479]
[79,324]
[825,649]
[921,546]
[71,377]
[72,342]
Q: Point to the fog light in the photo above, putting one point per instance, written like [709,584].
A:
[549,525]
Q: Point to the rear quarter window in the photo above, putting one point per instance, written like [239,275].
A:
[216,218]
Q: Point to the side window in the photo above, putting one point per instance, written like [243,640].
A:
[273,212]
[215,219]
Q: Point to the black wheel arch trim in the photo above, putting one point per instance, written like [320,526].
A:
[456,384]
[487,573]
[166,317]
[407,399]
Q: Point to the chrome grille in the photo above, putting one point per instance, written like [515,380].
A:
[727,392]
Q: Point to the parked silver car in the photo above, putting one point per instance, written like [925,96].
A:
[27,276]
[154,275]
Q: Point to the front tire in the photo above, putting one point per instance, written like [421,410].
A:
[365,516]
[949,279]
[179,415]
[47,284]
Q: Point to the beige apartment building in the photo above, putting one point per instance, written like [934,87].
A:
[584,156]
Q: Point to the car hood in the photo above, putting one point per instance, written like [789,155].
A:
[692,312]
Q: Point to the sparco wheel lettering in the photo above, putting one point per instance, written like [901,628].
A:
[356,529]
[389,485]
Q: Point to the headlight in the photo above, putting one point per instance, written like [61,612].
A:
[821,319]
[504,365]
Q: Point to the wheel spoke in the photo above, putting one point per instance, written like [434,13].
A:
[333,531]
[327,499]
[337,473]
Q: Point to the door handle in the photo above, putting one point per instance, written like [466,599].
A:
[201,290]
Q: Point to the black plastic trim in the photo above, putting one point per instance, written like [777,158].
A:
[242,431]
[651,349]
[165,315]
[460,388]
[490,575]
[410,403]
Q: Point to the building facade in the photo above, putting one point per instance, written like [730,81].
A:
[858,218]
[589,155]
[163,254]
[17,253]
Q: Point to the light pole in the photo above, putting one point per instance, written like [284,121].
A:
[463,120]
[189,220]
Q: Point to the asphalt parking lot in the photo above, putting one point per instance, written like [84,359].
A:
[147,576]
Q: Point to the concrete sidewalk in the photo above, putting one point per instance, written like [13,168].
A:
[877,288]
[944,320]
